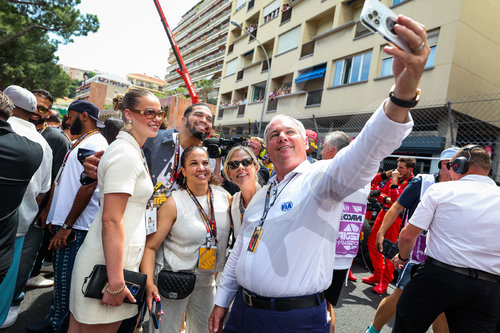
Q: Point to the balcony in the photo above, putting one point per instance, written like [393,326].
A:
[188,27]
[264,65]
[286,15]
[314,97]
[307,49]
[230,48]
[272,105]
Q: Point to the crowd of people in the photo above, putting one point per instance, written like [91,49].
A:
[151,200]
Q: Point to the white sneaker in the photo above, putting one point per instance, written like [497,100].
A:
[11,317]
[39,282]
[47,269]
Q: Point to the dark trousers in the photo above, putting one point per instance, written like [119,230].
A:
[246,319]
[470,305]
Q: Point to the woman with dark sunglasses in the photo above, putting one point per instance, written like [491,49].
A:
[117,235]
[242,168]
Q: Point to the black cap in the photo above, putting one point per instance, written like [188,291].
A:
[86,106]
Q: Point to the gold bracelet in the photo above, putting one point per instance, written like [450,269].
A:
[114,293]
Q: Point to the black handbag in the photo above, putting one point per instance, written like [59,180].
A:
[175,285]
[390,249]
[94,284]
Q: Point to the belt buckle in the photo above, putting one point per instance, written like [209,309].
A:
[247,298]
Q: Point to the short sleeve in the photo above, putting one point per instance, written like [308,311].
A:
[122,166]
[411,193]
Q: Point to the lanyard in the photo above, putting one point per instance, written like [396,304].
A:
[208,220]
[242,209]
[174,174]
[268,204]
[59,173]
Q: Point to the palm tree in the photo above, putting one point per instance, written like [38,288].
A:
[181,91]
[206,86]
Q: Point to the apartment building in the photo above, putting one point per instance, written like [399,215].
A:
[331,72]
[201,37]
[143,81]
[101,89]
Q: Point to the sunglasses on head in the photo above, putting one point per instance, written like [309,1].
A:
[42,109]
[150,113]
[235,164]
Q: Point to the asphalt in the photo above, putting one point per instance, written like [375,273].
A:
[356,308]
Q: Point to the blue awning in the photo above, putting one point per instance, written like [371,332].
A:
[314,73]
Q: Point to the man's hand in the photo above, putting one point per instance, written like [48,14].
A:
[388,173]
[59,240]
[216,319]
[380,241]
[91,163]
[398,263]
[395,177]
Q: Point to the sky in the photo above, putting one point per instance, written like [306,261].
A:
[131,37]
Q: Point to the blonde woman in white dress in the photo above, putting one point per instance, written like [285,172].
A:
[118,233]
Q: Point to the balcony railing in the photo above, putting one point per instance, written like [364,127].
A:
[254,34]
[286,15]
[307,49]
[272,105]
[221,113]
[314,97]
[230,48]
[199,20]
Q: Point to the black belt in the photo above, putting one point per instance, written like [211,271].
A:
[470,272]
[282,303]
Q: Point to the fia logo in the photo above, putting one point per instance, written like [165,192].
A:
[286,206]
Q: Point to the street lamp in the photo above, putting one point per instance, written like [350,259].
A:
[236,24]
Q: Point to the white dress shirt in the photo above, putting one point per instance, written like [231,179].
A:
[295,254]
[40,182]
[462,219]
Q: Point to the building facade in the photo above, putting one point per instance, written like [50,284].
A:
[101,89]
[143,81]
[201,37]
[331,72]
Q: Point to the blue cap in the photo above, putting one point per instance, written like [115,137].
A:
[86,106]
[447,154]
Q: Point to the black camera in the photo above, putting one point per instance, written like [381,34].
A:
[217,147]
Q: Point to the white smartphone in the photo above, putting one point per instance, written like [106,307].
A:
[380,19]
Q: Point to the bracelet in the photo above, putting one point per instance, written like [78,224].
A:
[402,259]
[114,293]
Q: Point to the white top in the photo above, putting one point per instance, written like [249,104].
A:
[121,170]
[295,254]
[188,233]
[65,192]
[235,213]
[40,182]
[462,219]
[351,224]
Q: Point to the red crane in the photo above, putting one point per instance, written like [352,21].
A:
[182,70]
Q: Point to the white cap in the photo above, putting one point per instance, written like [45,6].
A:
[21,98]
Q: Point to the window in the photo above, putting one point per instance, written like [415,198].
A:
[397,2]
[240,4]
[231,67]
[258,92]
[289,40]
[353,69]
[432,39]
[271,11]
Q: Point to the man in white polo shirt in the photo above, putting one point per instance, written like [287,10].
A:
[24,106]
[461,275]
[283,259]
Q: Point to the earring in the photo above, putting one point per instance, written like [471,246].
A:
[128,126]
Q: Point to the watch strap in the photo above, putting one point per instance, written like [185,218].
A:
[402,103]
[66,227]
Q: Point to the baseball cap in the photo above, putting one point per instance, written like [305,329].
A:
[21,98]
[447,154]
[311,134]
[86,106]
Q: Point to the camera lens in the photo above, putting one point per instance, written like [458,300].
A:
[375,13]
[389,22]
[370,16]
[377,22]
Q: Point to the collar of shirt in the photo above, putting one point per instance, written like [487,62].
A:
[129,138]
[301,168]
[21,122]
[478,178]
[5,126]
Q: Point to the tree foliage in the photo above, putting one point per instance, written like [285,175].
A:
[206,86]
[26,49]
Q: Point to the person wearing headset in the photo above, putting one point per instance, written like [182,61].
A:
[461,275]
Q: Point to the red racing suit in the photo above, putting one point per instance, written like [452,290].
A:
[381,271]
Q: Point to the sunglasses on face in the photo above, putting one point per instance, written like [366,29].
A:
[150,113]
[233,165]
[448,165]
[42,109]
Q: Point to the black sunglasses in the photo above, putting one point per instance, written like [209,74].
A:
[235,164]
[150,113]
[448,165]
